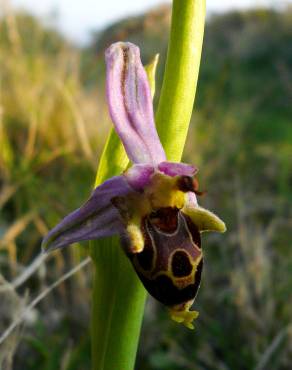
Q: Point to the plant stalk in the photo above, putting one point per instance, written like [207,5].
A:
[118,307]
[181,75]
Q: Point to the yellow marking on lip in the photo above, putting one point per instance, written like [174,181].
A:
[178,281]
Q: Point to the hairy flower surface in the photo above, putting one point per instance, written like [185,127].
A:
[152,205]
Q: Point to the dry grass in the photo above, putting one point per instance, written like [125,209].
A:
[46,118]
[51,131]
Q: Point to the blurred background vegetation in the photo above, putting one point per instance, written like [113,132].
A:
[53,124]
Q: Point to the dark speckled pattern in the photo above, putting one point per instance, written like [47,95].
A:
[171,263]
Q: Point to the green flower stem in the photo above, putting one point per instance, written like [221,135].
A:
[118,307]
[118,295]
[181,75]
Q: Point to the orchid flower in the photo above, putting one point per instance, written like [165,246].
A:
[152,206]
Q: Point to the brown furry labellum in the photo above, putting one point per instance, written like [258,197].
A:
[170,265]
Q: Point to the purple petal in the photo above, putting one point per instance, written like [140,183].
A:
[177,169]
[138,176]
[97,218]
[191,200]
[130,104]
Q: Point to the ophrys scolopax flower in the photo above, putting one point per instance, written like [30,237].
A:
[152,205]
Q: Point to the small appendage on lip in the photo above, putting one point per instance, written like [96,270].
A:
[204,219]
[136,238]
[183,315]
